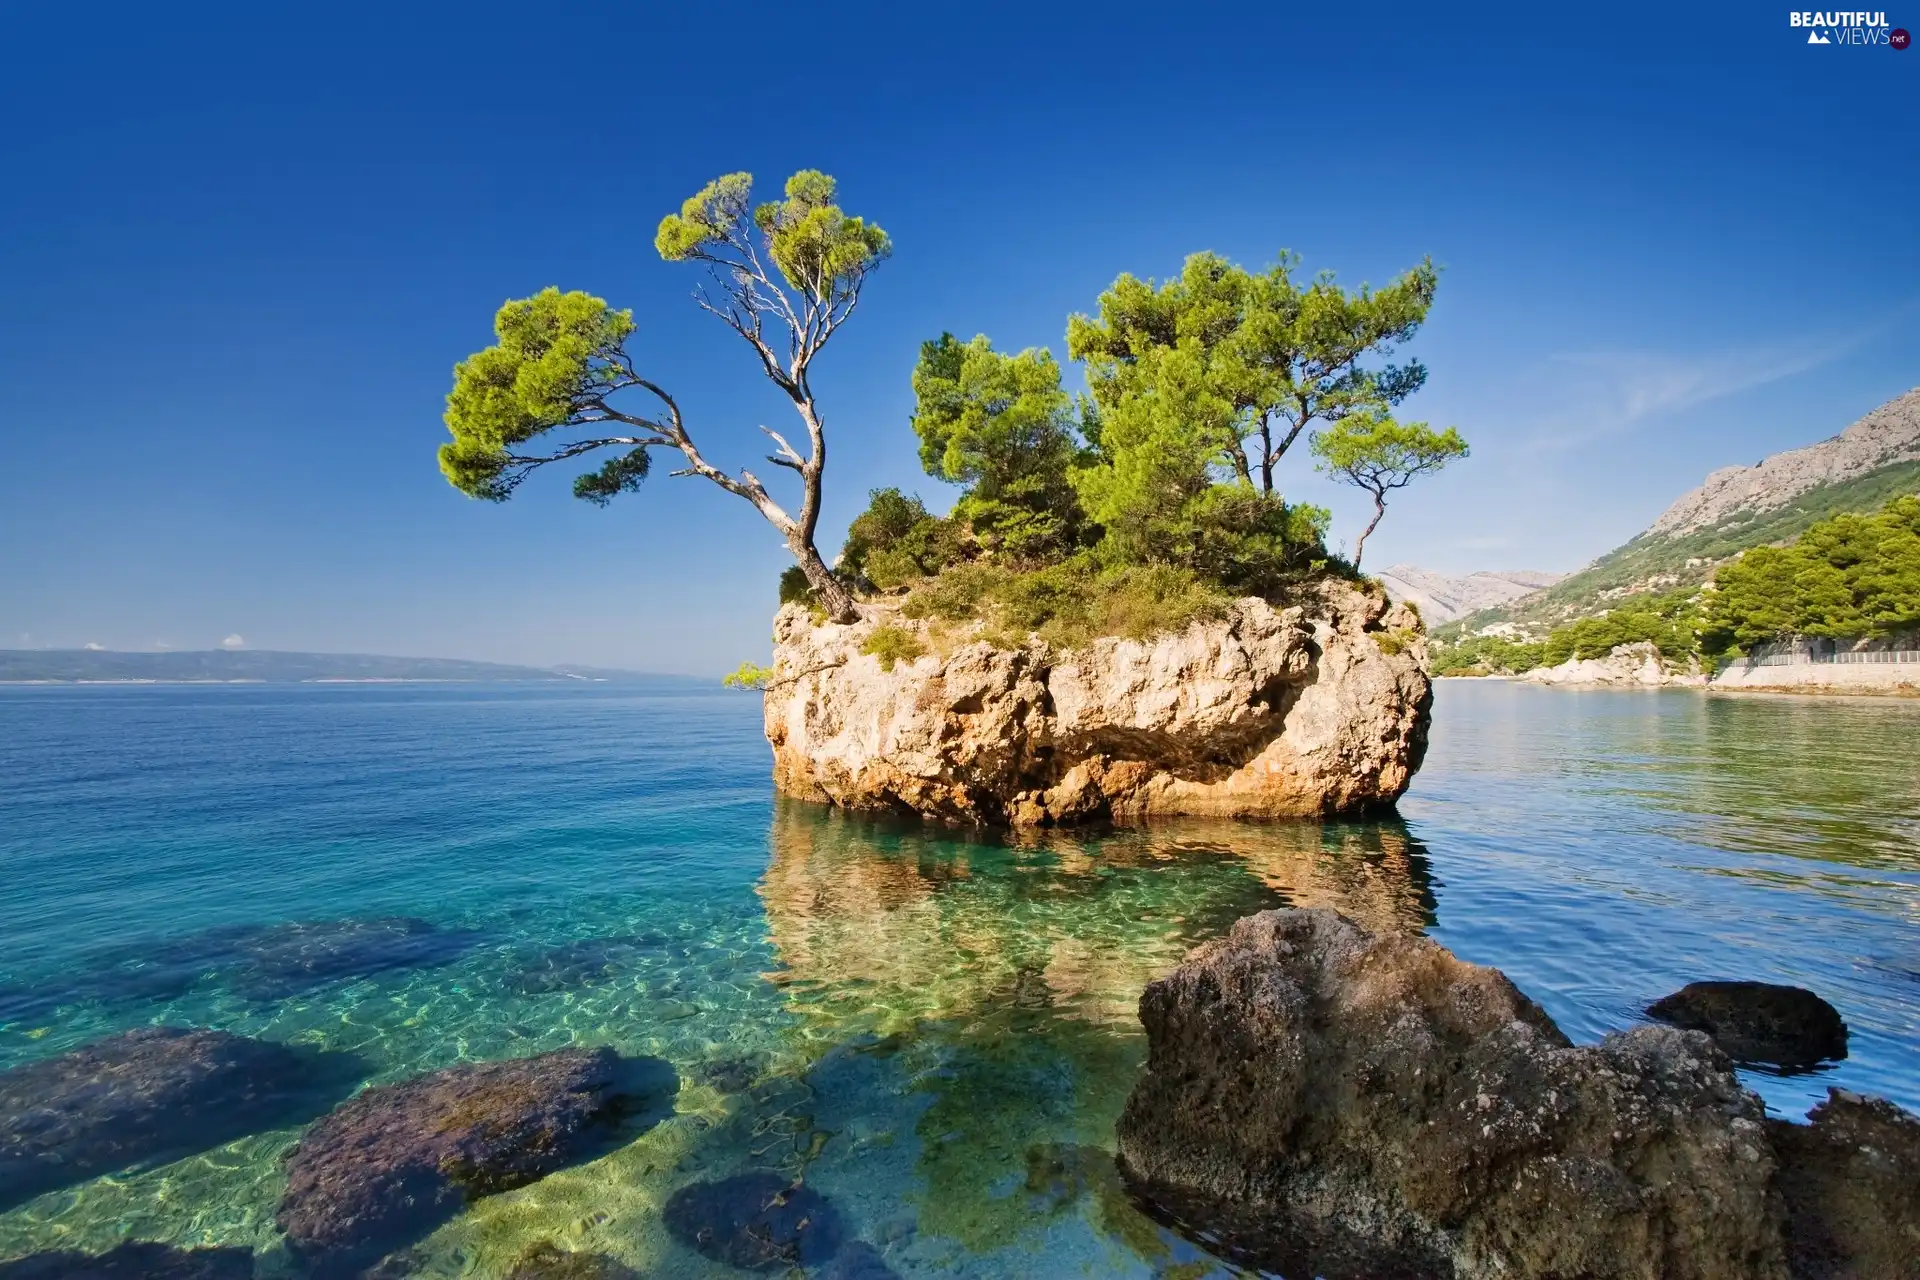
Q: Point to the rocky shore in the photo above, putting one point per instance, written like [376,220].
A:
[1629,665]
[1319,1100]
[1317,709]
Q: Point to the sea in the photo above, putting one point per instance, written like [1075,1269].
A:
[932,1030]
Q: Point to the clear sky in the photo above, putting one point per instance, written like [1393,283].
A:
[242,249]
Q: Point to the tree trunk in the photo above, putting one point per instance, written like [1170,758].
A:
[1266,454]
[1237,456]
[827,589]
[1360,544]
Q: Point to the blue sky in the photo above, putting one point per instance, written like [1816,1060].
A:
[242,249]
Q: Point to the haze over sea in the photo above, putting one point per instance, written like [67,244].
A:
[937,1028]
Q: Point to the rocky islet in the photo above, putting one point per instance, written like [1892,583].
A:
[1319,708]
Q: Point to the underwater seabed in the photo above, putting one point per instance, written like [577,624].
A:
[932,1033]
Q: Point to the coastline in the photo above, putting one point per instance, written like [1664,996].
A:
[317,680]
[1899,689]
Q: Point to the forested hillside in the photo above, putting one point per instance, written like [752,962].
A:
[1654,563]
[1848,577]
[1859,471]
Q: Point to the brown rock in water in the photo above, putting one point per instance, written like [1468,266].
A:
[397,1160]
[151,1095]
[1321,1101]
[1316,709]
[136,1260]
[1851,1178]
[547,1261]
[758,1221]
[1759,1023]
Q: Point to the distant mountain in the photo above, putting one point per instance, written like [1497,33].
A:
[265,665]
[1888,436]
[1443,597]
[1863,468]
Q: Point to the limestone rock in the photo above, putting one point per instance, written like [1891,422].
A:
[1325,1102]
[1888,435]
[1631,665]
[1443,597]
[1315,709]
[396,1160]
[1759,1023]
[1851,1178]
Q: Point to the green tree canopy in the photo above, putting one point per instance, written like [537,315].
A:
[1001,426]
[1847,577]
[1268,354]
[560,359]
[1373,452]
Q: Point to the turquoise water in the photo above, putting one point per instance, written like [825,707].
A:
[936,1031]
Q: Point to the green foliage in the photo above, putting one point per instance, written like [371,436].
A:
[1069,603]
[1372,451]
[892,644]
[1483,655]
[794,587]
[1848,576]
[1136,510]
[1670,622]
[894,542]
[620,474]
[1393,643]
[557,355]
[1001,426]
[1692,558]
[748,676]
[815,246]
[1158,445]
[1254,357]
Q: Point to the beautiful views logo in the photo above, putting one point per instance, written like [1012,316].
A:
[1850,28]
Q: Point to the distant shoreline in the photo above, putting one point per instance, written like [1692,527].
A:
[332,680]
[1898,692]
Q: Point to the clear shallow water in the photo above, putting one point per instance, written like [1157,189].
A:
[937,1031]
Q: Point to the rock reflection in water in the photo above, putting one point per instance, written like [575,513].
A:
[1014,969]
[917,922]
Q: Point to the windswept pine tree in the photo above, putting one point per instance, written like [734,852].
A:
[786,275]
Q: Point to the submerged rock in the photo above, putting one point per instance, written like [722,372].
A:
[281,960]
[262,962]
[582,963]
[1758,1023]
[150,1095]
[139,1260]
[734,1073]
[1851,1180]
[1325,1102]
[756,1221]
[1318,708]
[547,1261]
[394,1162]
